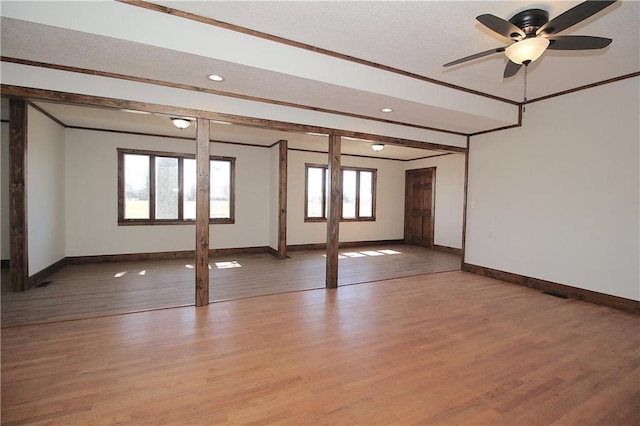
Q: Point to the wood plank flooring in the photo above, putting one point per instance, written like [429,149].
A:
[449,348]
[85,291]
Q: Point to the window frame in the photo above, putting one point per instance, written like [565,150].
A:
[152,188]
[325,190]
[324,168]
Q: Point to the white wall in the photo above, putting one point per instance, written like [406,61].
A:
[558,199]
[45,191]
[92,214]
[449,197]
[4,191]
[389,223]
[91,198]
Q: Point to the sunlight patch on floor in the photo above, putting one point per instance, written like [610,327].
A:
[189,266]
[123,273]
[372,253]
[227,265]
[390,251]
[354,254]
[366,253]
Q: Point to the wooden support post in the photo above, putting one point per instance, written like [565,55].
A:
[282,201]
[202,212]
[333,219]
[464,205]
[19,253]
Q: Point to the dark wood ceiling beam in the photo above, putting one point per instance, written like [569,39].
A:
[315,49]
[12,91]
[220,93]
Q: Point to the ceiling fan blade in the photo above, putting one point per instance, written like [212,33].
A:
[475,56]
[500,26]
[578,42]
[573,16]
[511,69]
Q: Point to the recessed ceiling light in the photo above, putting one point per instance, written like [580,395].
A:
[386,110]
[215,77]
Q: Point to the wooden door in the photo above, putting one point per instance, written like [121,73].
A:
[419,206]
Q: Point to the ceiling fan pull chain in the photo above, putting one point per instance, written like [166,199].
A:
[524,108]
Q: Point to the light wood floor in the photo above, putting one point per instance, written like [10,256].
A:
[449,348]
[86,291]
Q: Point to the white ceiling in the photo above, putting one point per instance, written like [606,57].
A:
[420,36]
[411,36]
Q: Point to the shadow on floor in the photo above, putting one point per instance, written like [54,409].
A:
[87,291]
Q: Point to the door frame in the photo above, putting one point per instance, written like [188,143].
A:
[407,192]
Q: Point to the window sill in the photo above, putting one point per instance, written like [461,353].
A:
[143,222]
[363,219]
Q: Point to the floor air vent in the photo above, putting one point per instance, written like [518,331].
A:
[44,284]
[554,294]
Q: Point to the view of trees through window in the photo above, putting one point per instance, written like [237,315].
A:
[358,193]
[161,187]
[316,189]
[167,187]
[137,187]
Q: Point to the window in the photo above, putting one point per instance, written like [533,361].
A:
[160,188]
[358,193]
[316,186]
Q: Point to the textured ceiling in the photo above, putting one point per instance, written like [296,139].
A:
[420,36]
[411,36]
[111,55]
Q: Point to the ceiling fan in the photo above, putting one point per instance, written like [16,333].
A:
[533,33]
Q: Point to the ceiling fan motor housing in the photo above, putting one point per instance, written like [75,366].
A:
[529,21]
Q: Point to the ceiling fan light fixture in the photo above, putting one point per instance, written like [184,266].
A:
[527,50]
[180,123]
[377,147]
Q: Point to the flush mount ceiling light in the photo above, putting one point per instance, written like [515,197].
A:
[527,50]
[532,33]
[180,123]
[377,147]
[215,77]
[386,110]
